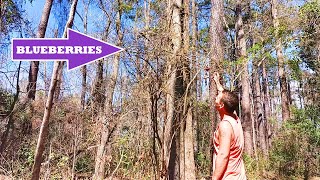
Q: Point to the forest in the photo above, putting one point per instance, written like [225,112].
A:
[148,111]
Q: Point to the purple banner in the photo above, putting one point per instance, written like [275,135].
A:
[78,50]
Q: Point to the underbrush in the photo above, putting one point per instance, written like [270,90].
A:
[294,153]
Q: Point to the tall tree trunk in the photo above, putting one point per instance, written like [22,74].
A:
[153,94]
[34,65]
[169,110]
[107,123]
[83,86]
[182,76]
[182,159]
[58,87]
[245,101]
[84,68]
[59,83]
[189,163]
[258,109]
[154,98]
[216,57]
[169,142]
[266,104]
[217,53]
[106,118]
[44,129]
[195,66]
[45,77]
[58,92]
[98,89]
[196,85]
[281,65]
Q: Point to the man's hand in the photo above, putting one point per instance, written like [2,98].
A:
[216,78]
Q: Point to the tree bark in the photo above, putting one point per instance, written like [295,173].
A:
[107,119]
[58,88]
[167,131]
[266,104]
[189,95]
[258,110]
[281,65]
[217,52]
[189,163]
[83,86]
[84,68]
[183,79]
[107,122]
[245,86]
[45,77]
[34,65]
[169,141]
[196,85]
[154,98]
[44,129]
[216,57]
[98,92]
[182,156]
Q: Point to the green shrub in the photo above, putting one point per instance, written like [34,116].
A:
[294,153]
[84,164]
[27,156]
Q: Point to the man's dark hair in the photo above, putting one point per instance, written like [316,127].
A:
[230,101]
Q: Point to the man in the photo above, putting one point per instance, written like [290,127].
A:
[228,137]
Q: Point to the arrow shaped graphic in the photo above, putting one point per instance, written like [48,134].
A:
[78,49]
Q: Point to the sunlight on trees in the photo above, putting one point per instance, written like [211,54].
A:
[148,112]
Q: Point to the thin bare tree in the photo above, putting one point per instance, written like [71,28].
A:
[44,129]
[84,68]
[281,64]
[34,65]
[107,120]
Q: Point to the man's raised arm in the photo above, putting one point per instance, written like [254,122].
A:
[216,78]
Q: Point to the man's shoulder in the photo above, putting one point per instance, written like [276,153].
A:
[225,125]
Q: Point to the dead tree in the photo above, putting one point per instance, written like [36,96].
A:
[44,129]
[106,118]
[34,65]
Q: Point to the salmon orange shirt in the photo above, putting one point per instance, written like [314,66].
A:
[235,169]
